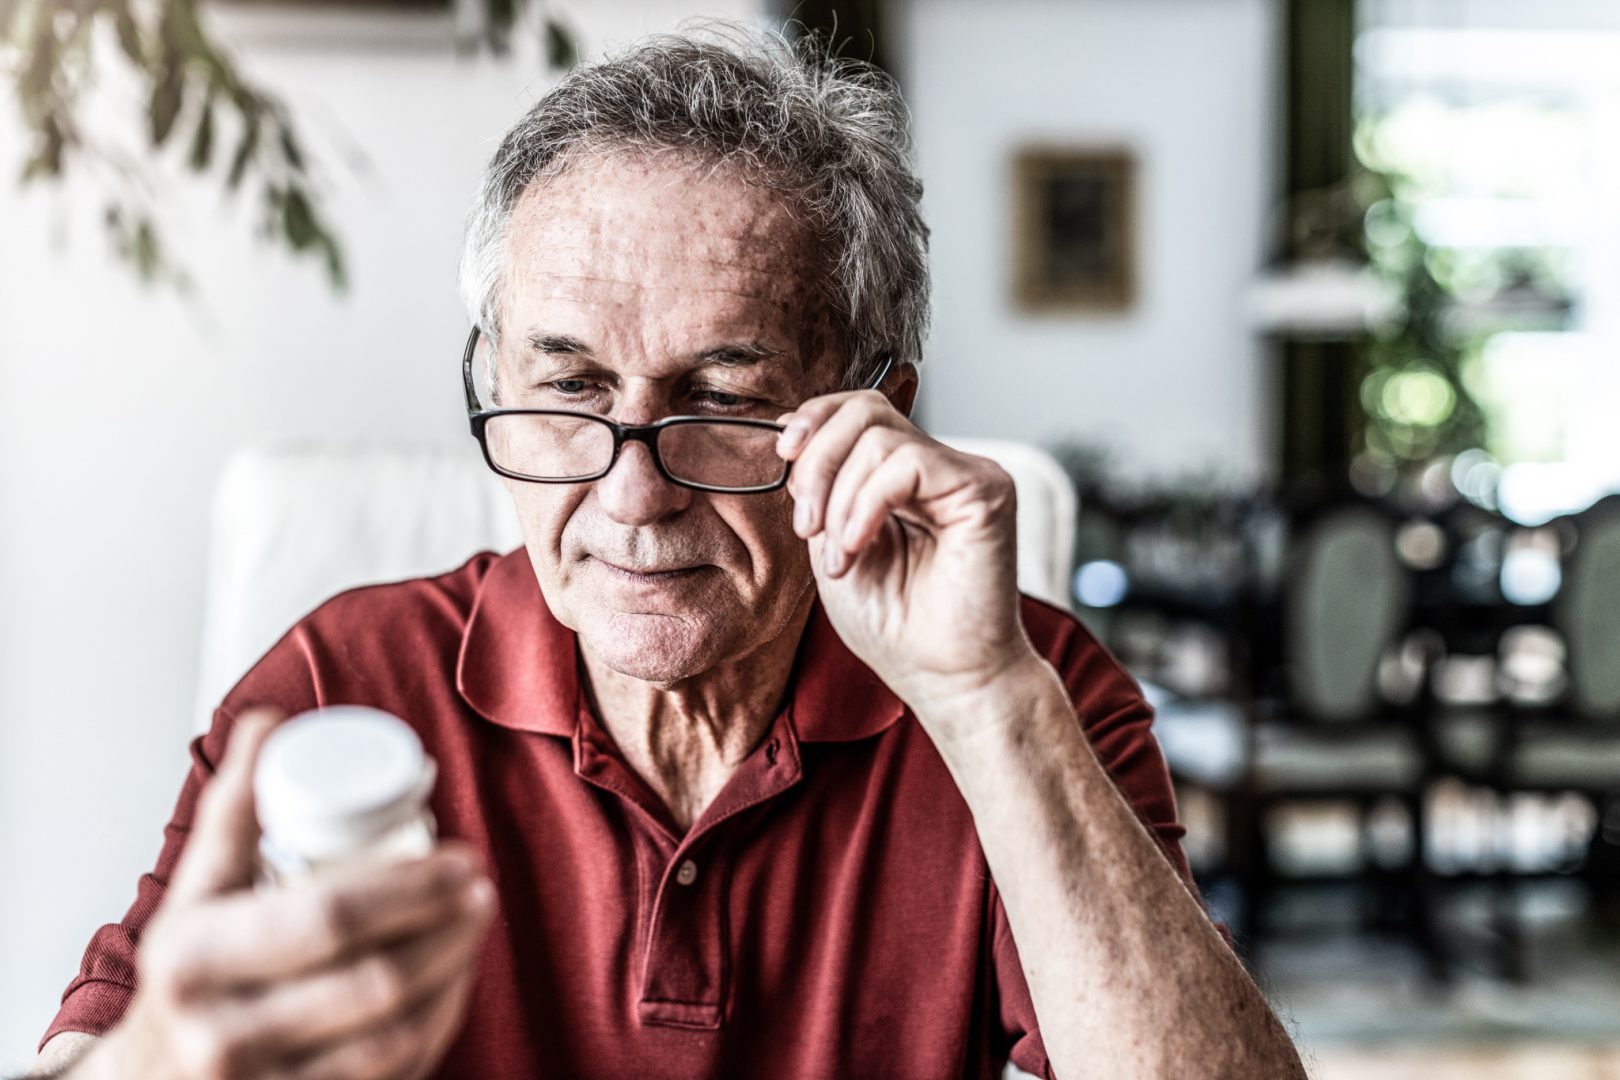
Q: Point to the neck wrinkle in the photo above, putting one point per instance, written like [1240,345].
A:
[687,740]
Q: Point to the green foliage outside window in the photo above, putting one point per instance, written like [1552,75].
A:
[1421,393]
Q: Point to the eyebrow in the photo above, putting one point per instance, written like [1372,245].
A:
[546,342]
[736,354]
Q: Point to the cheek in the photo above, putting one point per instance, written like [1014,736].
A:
[763,525]
[544,511]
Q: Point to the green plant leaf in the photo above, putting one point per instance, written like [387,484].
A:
[145,250]
[129,33]
[35,82]
[298,219]
[291,150]
[336,272]
[167,95]
[202,140]
[561,51]
[501,14]
[244,152]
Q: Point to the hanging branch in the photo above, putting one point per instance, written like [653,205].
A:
[193,90]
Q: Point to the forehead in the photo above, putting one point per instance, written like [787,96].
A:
[619,245]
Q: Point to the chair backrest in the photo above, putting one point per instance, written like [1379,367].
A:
[295,523]
[1348,598]
[1048,513]
[1587,613]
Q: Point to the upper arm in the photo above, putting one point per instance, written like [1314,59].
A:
[65,1048]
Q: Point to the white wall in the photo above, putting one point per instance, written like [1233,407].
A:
[1176,384]
[118,405]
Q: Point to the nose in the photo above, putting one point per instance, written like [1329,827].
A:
[634,492]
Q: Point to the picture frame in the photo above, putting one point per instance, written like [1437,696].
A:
[1074,231]
[412,6]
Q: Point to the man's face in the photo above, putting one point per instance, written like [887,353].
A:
[641,291]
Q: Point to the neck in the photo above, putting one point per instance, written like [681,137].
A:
[687,738]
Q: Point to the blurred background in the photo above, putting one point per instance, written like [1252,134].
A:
[1315,302]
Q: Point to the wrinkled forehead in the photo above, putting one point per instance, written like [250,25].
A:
[615,239]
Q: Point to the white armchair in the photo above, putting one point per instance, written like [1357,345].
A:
[294,523]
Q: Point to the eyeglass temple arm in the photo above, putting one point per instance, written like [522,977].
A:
[467,373]
[883,372]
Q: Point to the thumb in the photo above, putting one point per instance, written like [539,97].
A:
[221,852]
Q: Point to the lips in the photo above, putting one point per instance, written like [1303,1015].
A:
[651,573]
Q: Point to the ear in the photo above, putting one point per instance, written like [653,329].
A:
[904,394]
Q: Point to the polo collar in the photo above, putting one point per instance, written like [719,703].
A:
[519,667]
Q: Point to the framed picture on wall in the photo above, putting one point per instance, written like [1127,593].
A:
[1074,231]
[373,5]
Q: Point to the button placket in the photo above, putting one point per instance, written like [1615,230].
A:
[687,962]
[684,981]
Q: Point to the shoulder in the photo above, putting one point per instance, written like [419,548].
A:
[1053,630]
[442,599]
[395,634]
[1088,668]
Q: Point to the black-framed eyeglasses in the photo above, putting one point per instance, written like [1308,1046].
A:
[732,455]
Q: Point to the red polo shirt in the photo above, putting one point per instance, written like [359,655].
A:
[829,915]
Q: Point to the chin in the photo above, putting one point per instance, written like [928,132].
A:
[662,648]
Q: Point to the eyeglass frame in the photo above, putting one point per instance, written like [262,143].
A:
[646,434]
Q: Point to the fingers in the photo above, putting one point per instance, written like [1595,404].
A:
[820,435]
[441,1022]
[859,462]
[221,851]
[872,451]
[410,1046]
[252,938]
[348,1000]
[893,484]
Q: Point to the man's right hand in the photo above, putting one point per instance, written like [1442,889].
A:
[363,973]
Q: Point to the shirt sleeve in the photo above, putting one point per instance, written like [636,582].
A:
[1117,721]
[97,997]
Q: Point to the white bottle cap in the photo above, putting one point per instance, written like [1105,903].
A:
[328,782]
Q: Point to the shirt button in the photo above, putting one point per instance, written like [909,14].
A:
[687,872]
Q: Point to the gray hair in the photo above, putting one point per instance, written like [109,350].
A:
[830,134]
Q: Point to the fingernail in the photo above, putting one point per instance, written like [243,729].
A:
[801,517]
[793,435]
[833,559]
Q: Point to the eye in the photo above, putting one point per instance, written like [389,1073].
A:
[723,399]
[585,394]
[724,402]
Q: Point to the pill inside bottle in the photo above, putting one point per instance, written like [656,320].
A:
[339,787]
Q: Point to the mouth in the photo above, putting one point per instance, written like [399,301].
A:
[650,575]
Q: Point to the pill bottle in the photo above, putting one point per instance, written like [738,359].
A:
[338,787]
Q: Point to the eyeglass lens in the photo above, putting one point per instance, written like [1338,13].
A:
[554,448]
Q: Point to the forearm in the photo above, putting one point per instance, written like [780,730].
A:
[1126,972]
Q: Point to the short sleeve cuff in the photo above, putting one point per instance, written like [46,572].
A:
[1029,1055]
[93,1007]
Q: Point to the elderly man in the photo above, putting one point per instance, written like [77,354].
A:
[753,760]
